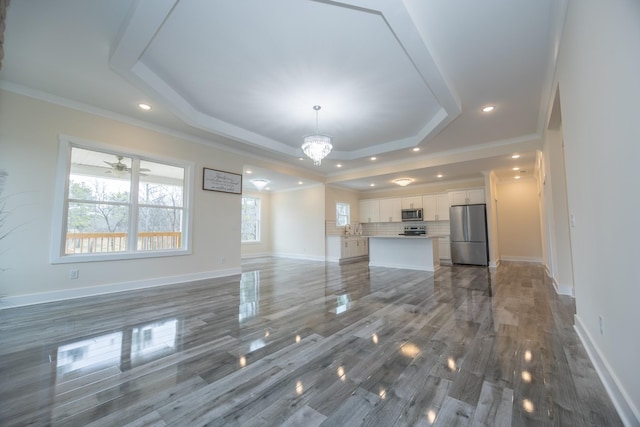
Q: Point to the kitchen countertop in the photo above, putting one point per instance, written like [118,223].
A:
[424,236]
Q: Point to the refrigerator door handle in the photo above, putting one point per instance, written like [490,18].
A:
[465,221]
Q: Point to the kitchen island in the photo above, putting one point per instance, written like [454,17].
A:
[410,252]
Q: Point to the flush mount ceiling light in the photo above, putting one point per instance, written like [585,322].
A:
[317,146]
[488,108]
[416,149]
[402,182]
[515,156]
[259,183]
[145,107]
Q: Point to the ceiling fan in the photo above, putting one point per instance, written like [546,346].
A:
[120,169]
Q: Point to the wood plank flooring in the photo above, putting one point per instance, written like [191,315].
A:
[299,343]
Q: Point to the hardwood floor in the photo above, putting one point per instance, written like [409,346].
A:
[306,343]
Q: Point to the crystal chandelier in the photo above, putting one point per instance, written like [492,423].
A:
[317,146]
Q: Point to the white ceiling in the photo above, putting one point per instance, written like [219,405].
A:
[244,75]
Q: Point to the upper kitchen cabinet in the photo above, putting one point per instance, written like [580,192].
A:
[413,202]
[466,197]
[369,210]
[435,207]
[390,210]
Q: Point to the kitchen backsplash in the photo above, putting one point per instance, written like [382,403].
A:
[395,228]
[388,228]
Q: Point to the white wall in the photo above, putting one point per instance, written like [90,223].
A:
[518,213]
[556,213]
[264,246]
[491,193]
[29,132]
[298,223]
[598,69]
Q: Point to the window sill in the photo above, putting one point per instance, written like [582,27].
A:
[117,256]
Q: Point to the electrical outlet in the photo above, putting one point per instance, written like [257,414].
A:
[73,274]
[601,321]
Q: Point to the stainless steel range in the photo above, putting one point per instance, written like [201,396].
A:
[414,230]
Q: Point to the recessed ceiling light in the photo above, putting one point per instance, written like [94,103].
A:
[372,185]
[439,175]
[373,158]
[517,177]
[339,165]
[515,169]
[145,107]
[416,149]
[300,158]
[268,188]
[515,156]
[300,182]
[488,108]
[249,172]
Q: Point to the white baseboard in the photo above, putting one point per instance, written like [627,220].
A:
[521,259]
[299,256]
[65,294]
[626,408]
[256,255]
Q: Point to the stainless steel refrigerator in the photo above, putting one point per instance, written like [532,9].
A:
[469,234]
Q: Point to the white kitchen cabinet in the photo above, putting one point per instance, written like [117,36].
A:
[390,210]
[369,210]
[347,248]
[466,197]
[435,207]
[412,202]
[444,247]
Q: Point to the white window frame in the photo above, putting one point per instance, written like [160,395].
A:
[258,221]
[61,203]
[348,205]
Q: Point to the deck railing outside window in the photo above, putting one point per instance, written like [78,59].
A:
[86,243]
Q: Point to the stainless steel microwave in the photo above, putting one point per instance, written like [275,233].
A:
[412,214]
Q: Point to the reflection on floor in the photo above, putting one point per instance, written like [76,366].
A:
[306,343]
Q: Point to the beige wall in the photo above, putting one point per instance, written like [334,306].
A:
[29,131]
[298,223]
[335,195]
[519,234]
[264,246]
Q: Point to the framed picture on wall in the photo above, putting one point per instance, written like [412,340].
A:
[225,182]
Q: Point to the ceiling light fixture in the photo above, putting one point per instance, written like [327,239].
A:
[439,175]
[317,146]
[374,158]
[416,149]
[145,107]
[339,165]
[516,169]
[488,108]
[517,177]
[402,182]
[372,185]
[259,183]
[515,156]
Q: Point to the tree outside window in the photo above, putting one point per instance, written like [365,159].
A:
[343,216]
[250,228]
